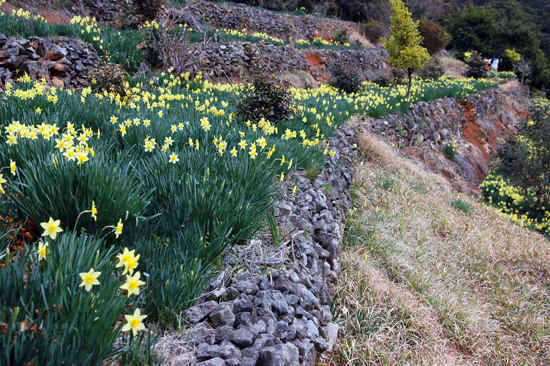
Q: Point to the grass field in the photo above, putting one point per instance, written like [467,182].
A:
[433,278]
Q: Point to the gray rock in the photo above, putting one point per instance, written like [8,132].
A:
[247,287]
[325,315]
[331,336]
[265,284]
[224,333]
[200,311]
[321,344]
[242,304]
[202,333]
[222,315]
[215,295]
[279,303]
[307,353]
[212,362]
[263,340]
[284,209]
[308,299]
[312,331]
[243,337]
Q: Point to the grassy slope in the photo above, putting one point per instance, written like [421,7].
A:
[439,286]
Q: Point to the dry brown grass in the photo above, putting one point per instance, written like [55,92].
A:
[439,287]
[453,67]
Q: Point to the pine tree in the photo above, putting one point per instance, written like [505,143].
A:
[404,46]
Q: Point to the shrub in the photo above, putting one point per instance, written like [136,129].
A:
[147,10]
[341,37]
[477,67]
[449,152]
[347,81]
[432,69]
[525,158]
[267,99]
[373,30]
[110,78]
[172,49]
[435,37]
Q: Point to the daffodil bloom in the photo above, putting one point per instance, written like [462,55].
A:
[205,124]
[174,158]
[135,322]
[42,250]
[94,211]
[51,228]
[89,279]
[128,260]
[132,284]
[119,228]
[13,167]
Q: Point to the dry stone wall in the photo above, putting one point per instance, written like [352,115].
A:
[237,59]
[475,124]
[282,317]
[63,61]
[280,25]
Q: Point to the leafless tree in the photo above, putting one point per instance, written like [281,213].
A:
[174,49]
[524,67]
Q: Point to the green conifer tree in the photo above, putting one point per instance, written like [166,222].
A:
[404,45]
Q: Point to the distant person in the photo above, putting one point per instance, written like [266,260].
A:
[467,55]
[494,64]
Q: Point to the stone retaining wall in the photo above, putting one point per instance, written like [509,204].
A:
[283,317]
[280,25]
[62,60]
[237,59]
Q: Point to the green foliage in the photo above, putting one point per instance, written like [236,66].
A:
[43,301]
[477,67]
[267,99]
[373,30]
[50,186]
[477,28]
[432,69]
[179,217]
[514,202]
[449,152]
[404,49]
[513,56]
[434,36]
[347,81]
[462,205]
[525,158]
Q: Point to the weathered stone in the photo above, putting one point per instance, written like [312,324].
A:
[242,304]
[212,362]
[222,315]
[202,333]
[200,312]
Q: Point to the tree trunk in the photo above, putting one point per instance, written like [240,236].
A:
[409,73]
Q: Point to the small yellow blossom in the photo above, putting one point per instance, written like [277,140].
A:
[51,228]
[89,279]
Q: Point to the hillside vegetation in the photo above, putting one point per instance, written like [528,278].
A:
[430,277]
